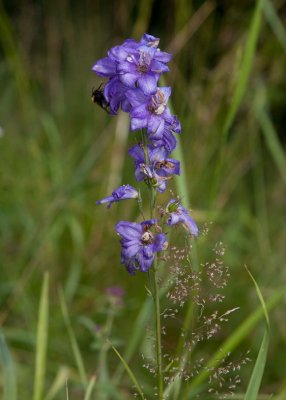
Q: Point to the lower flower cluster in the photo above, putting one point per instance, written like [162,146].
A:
[139,244]
[133,70]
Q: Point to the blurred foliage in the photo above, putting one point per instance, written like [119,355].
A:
[59,153]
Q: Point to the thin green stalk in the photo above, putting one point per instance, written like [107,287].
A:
[155,286]
[158,331]
[74,344]
[103,365]
[156,298]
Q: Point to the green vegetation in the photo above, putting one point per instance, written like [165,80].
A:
[61,335]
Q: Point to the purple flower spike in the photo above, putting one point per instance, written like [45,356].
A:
[122,193]
[139,244]
[178,214]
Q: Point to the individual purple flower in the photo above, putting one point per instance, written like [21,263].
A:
[139,243]
[137,64]
[151,111]
[178,214]
[158,162]
[166,138]
[107,66]
[122,193]
[143,68]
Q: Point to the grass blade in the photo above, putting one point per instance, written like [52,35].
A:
[42,340]
[245,66]
[9,42]
[130,373]
[257,373]
[243,77]
[272,141]
[275,23]
[9,375]
[90,388]
[75,347]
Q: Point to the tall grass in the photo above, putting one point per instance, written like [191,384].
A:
[58,153]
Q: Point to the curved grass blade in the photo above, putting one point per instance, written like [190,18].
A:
[257,373]
[89,389]
[58,383]
[130,373]
[75,347]
[9,376]
[138,330]
[42,340]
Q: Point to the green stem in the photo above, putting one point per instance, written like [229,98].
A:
[156,298]
[155,287]
[158,331]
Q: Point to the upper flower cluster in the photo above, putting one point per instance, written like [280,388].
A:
[133,69]
[135,64]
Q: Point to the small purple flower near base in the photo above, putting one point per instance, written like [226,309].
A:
[116,294]
[177,214]
[139,244]
[122,193]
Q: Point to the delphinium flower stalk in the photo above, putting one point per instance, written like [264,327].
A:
[133,70]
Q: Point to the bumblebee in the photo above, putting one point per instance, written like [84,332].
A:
[98,98]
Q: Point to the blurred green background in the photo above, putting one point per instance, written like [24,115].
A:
[59,153]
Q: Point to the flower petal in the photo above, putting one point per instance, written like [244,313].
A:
[137,123]
[128,79]
[129,230]
[104,67]
[148,83]
[140,111]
